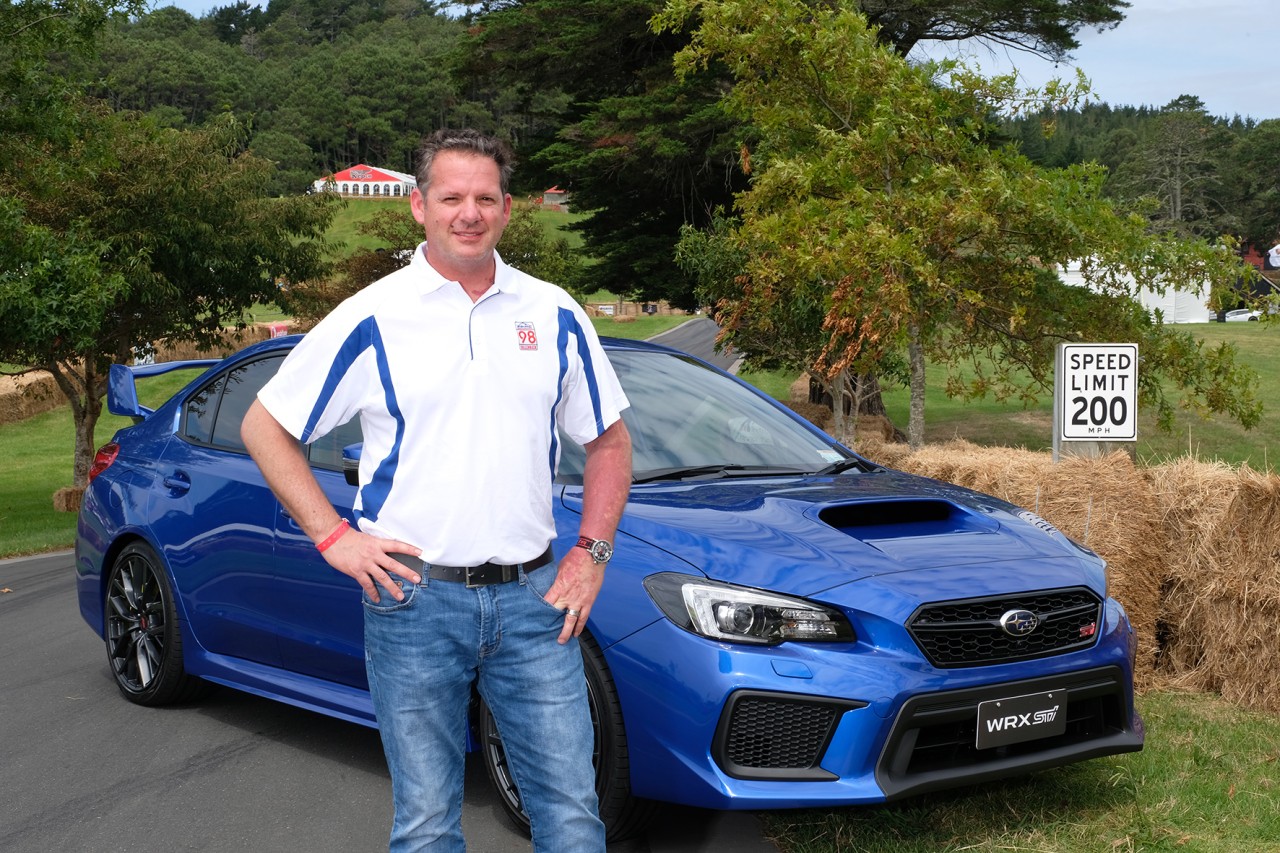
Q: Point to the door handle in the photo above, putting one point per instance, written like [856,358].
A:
[178,482]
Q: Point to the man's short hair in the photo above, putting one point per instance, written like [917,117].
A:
[466,141]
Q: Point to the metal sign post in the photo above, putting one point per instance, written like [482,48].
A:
[1095,399]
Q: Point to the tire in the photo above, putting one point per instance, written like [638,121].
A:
[144,644]
[623,815]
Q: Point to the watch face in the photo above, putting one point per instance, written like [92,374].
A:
[601,551]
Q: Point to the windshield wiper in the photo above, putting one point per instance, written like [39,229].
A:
[842,466]
[713,472]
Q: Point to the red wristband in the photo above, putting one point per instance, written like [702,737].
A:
[342,528]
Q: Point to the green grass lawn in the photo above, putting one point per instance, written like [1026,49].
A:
[342,233]
[993,424]
[1206,782]
[990,423]
[40,451]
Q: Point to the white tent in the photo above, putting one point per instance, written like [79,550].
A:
[1177,305]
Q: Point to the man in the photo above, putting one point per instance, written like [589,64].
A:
[460,368]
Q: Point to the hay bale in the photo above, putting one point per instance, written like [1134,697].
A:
[890,454]
[1193,497]
[231,340]
[68,499]
[799,390]
[26,395]
[815,413]
[1223,603]
[1107,504]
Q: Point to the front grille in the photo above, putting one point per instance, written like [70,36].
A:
[776,735]
[968,633]
[933,742]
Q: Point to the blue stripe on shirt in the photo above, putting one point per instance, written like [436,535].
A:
[364,336]
[569,325]
[567,317]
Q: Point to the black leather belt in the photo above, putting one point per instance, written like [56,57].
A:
[486,573]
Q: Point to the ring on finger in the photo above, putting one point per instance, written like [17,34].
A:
[573,612]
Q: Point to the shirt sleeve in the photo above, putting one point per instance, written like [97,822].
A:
[318,387]
[593,397]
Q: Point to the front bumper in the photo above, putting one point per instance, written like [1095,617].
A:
[797,726]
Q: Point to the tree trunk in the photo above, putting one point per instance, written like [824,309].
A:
[865,394]
[915,423]
[870,400]
[83,387]
[838,409]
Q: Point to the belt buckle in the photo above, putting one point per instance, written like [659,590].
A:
[467,578]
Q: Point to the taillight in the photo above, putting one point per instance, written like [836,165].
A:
[103,458]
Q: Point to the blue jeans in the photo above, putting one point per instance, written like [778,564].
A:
[423,654]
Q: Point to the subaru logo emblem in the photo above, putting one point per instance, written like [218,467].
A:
[1019,623]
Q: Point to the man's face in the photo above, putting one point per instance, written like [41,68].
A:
[463,213]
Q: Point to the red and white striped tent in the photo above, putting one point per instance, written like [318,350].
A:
[367,182]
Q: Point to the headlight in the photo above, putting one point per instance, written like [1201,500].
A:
[739,614]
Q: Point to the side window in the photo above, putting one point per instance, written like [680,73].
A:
[214,414]
[200,410]
[326,451]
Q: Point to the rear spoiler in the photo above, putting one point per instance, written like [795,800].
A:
[122,392]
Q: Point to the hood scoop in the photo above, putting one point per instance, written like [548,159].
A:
[925,532]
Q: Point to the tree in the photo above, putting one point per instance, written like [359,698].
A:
[1256,162]
[1178,164]
[646,154]
[134,233]
[1045,27]
[876,201]
[233,22]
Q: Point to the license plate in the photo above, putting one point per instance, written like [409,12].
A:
[1021,718]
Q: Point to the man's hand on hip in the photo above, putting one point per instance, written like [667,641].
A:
[368,560]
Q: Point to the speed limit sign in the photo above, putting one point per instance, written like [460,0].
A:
[1096,392]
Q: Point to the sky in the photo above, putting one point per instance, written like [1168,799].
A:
[1225,52]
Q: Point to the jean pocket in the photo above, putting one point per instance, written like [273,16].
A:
[539,582]
[386,602]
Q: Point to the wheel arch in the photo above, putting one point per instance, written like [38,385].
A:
[109,557]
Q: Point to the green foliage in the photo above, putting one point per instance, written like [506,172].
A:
[646,153]
[529,247]
[642,152]
[132,232]
[1046,28]
[878,205]
[1178,165]
[375,78]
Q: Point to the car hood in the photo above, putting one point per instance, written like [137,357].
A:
[809,534]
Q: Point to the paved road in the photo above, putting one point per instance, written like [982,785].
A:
[698,337]
[83,770]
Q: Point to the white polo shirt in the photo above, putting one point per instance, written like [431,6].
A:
[459,404]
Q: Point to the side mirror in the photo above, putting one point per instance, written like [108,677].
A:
[351,463]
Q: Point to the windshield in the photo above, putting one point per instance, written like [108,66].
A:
[685,416]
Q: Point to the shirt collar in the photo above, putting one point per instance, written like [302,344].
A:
[504,278]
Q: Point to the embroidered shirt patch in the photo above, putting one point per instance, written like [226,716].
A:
[527,335]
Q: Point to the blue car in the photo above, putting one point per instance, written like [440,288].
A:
[784,623]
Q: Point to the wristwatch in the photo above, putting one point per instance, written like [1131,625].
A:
[601,550]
